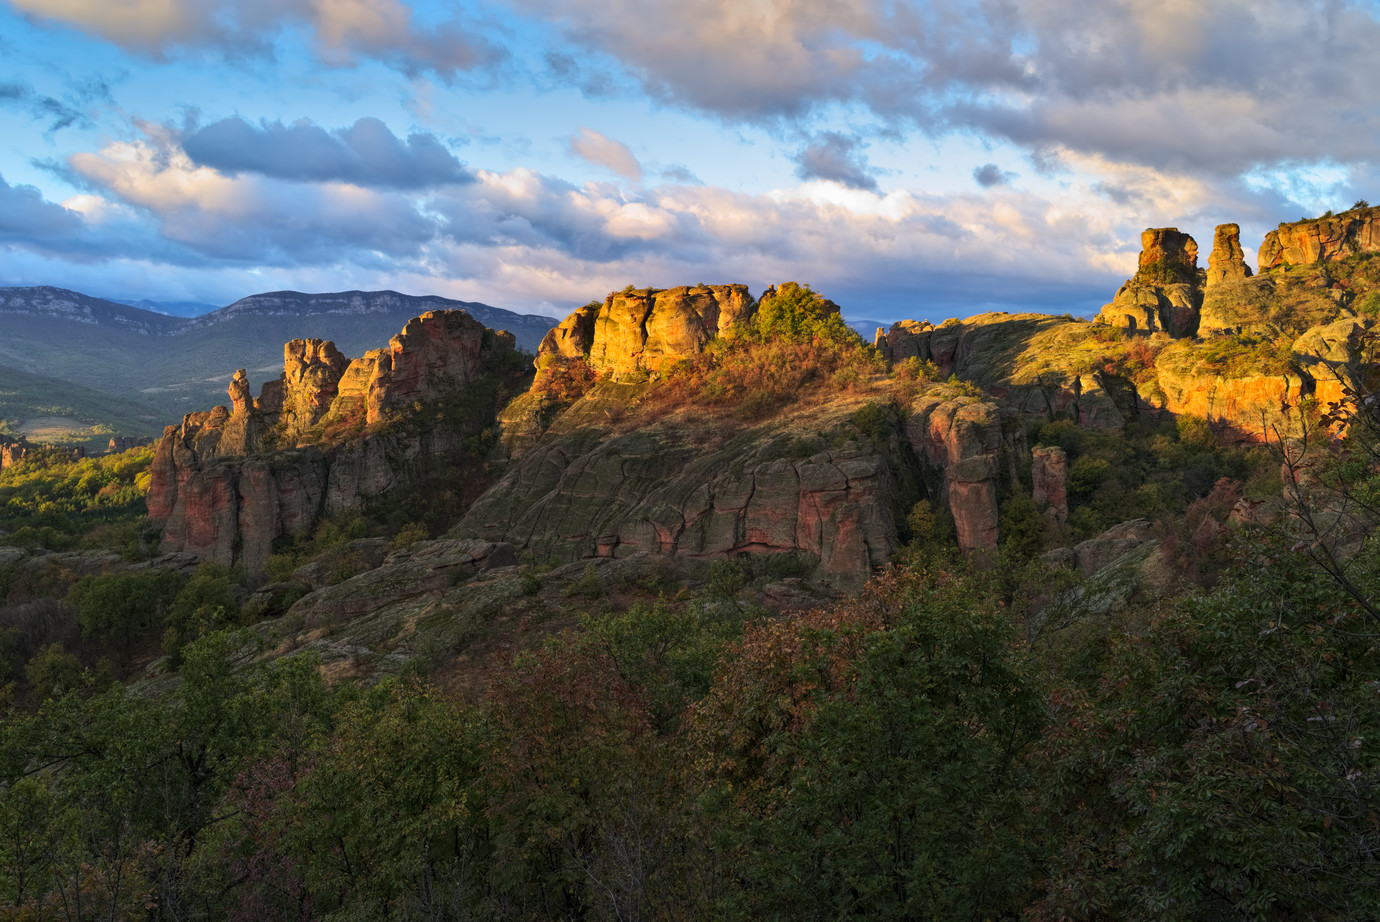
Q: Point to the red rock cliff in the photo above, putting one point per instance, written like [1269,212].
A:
[227,483]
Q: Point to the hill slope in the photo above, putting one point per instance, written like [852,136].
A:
[51,410]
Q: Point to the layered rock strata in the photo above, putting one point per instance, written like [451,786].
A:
[586,491]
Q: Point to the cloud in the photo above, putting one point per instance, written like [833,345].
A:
[612,155]
[989,175]
[25,216]
[58,113]
[365,154]
[345,31]
[527,240]
[1218,87]
[252,218]
[678,173]
[835,158]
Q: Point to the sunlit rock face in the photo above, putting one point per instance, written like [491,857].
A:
[1328,239]
[643,331]
[1227,262]
[1166,293]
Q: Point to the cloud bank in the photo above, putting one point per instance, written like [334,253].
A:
[365,154]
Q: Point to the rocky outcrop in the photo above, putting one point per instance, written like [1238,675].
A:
[1095,554]
[1049,476]
[642,331]
[1328,355]
[588,492]
[312,369]
[425,568]
[1227,263]
[226,484]
[119,443]
[1322,240]
[963,438]
[1033,363]
[1166,293]
[12,451]
[1166,252]
[1243,408]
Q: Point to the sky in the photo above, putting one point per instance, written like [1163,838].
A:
[907,159]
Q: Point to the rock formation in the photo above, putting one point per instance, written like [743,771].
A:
[1034,363]
[963,438]
[1166,293]
[227,483]
[1322,240]
[12,451]
[585,491]
[1049,477]
[119,443]
[641,331]
[1227,263]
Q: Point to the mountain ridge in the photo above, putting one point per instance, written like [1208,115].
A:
[177,365]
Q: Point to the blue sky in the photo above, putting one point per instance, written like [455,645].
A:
[919,160]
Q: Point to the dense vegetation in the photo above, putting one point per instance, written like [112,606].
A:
[49,500]
[904,755]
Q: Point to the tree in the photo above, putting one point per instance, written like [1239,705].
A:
[865,762]
[120,608]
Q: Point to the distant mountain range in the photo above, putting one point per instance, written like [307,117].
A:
[171,308]
[152,367]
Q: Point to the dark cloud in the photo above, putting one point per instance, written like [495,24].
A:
[57,113]
[26,216]
[989,175]
[835,158]
[365,154]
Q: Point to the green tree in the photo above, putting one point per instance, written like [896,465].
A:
[123,608]
[796,313]
[865,763]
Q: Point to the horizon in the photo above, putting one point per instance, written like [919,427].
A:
[915,162]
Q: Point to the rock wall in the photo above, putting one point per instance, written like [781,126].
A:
[1323,240]
[590,492]
[225,484]
[963,438]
